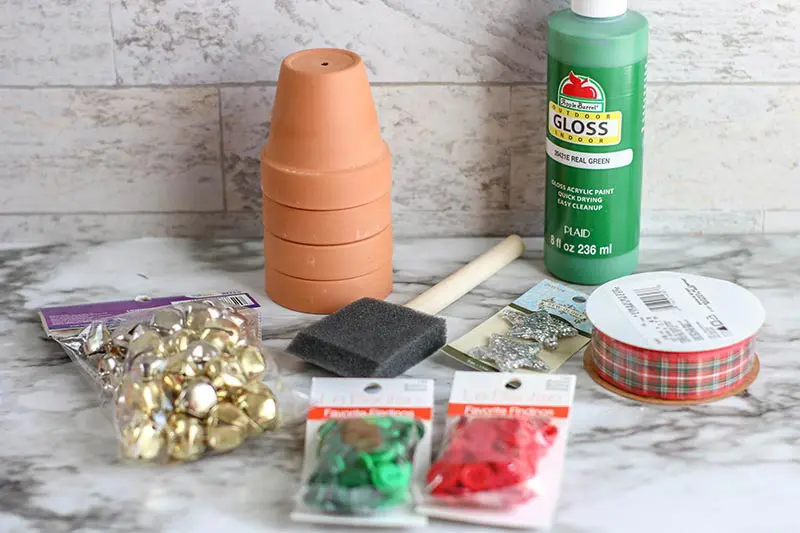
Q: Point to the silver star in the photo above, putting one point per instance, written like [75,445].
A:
[509,354]
[539,326]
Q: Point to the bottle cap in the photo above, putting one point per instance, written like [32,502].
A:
[599,8]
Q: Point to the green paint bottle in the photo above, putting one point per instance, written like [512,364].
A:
[596,75]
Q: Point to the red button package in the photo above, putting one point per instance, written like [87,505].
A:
[503,452]
[491,461]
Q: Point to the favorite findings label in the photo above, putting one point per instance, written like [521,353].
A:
[594,164]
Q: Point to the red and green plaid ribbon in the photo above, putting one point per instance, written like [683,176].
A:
[672,375]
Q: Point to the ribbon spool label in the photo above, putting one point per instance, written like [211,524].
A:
[675,312]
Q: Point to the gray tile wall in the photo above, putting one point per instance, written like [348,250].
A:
[145,117]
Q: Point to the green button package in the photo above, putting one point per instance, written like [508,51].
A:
[368,445]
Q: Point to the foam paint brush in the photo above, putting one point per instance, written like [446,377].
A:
[374,338]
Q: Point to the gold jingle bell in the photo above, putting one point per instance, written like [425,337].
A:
[197,398]
[252,361]
[109,365]
[238,319]
[180,340]
[142,438]
[198,313]
[167,320]
[145,397]
[225,324]
[178,371]
[147,366]
[124,401]
[226,375]
[96,340]
[221,339]
[201,352]
[260,406]
[146,341]
[226,427]
[185,437]
[137,329]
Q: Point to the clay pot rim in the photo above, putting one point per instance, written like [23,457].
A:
[383,265]
[340,246]
[385,153]
[272,200]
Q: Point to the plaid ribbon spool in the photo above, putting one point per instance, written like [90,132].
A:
[672,375]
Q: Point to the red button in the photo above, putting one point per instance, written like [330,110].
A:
[477,477]
[442,478]
[487,461]
[508,473]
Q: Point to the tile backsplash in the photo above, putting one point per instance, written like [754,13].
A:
[146,117]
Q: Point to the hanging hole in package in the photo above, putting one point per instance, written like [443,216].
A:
[185,376]
[504,448]
[368,446]
[539,331]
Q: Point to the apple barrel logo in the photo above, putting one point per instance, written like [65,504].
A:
[581,94]
[580,117]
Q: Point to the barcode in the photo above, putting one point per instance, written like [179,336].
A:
[239,300]
[655,299]
[233,300]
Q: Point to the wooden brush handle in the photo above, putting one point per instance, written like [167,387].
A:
[468,277]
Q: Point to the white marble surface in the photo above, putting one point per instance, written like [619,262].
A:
[731,466]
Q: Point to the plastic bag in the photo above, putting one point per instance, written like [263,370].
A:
[364,465]
[504,449]
[184,380]
[366,455]
[490,461]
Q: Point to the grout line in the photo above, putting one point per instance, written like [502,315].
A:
[222,151]
[116,214]
[509,130]
[524,211]
[113,42]
[377,84]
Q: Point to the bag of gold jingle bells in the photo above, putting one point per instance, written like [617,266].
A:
[185,380]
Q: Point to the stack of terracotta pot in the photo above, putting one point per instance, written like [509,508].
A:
[326,180]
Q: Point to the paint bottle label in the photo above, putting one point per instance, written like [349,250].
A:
[594,164]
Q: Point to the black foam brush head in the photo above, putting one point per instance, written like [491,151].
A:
[370,338]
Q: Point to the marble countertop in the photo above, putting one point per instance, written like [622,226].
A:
[732,466]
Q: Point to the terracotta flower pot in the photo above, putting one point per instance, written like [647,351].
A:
[327,227]
[328,263]
[335,189]
[325,297]
[325,154]
[323,117]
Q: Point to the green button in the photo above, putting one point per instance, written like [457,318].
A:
[383,422]
[385,454]
[354,477]
[333,464]
[350,481]
[390,478]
